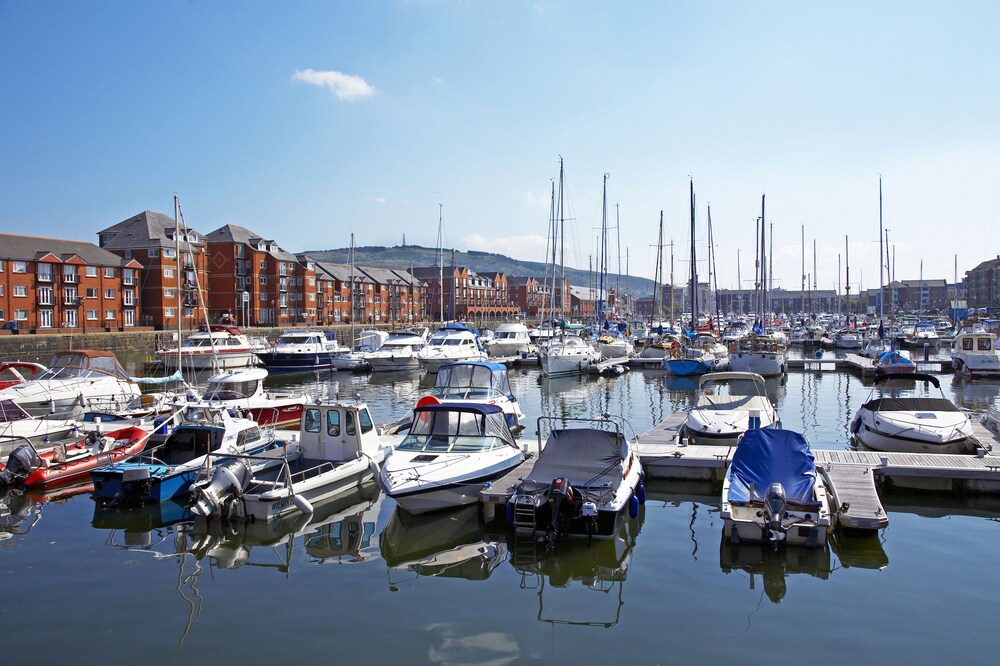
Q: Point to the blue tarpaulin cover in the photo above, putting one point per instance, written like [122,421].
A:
[767,456]
[893,358]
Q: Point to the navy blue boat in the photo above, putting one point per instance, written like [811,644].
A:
[302,350]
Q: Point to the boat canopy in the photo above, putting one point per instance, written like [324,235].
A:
[457,427]
[583,456]
[471,379]
[766,456]
[84,363]
[893,357]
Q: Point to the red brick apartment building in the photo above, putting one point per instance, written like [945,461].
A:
[466,294]
[48,284]
[170,282]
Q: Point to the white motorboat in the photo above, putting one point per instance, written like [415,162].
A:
[894,361]
[924,332]
[449,344]
[729,404]
[357,359]
[510,339]
[478,382]
[18,427]
[302,350]
[888,421]
[773,493]
[243,389]
[974,353]
[567,355]
[735,331]
[760,354]
[847,338]
[213,347]
[340,451]
[584,481]
[450,452]
[398,352]
[544,332]
[614,344]
[75,382]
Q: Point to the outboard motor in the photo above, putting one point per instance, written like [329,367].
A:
[211,498]
[774,509]
[559,494]
[20,463]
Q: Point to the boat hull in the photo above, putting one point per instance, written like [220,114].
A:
[394,363]
[206,360]
[317,489]
[290,361]
[765,364]
[686,367]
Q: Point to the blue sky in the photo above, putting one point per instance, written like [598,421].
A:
[306,121]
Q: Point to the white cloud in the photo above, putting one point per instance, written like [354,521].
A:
[437,80]
[378,200]
[345,86]
[528,248]
[538,200]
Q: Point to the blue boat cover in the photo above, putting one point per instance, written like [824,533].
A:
[767,456]
[893,358]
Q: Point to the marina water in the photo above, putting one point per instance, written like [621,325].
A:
[367,585]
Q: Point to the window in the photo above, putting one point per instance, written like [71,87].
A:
[45,296]
[351,430]
[263,297]
[129,317]
[366,420]
[18,267]
[168,272]
[109,272]
[109,314]
[263,279]
[167,312]
[69,296]
[45,319]
[128,254]
[128,296]
[333,422]
[2,317]
[1,290]
[21,315]
[263,264]
[20,290]
[91,315]
[91,292]
[984,344]
[312,420]
[967,344]
[1,268]
[153,252]
[45,272]
[71,321]
[91,271]
[168,293]
[169,252]
[128,276]
[109,294]
[69,273]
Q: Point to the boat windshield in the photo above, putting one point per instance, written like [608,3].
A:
[10,411]
[70,365]
[298,339]
[471,381]
[441,431]
[231,390]
[188,443]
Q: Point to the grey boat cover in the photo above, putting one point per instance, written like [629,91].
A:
[910,405]
[583,456]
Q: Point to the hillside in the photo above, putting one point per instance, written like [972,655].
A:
[407,256]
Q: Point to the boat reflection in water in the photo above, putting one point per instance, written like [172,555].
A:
[571,577]
[20,509]
[449,544]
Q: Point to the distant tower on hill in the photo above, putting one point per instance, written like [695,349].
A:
[404,240]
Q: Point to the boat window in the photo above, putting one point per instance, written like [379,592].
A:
[366,420]
[349,422]
[311,420]
[967,344]
[985,344]
[230,390]
[333,423]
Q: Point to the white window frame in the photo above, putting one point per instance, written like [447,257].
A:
[91,271]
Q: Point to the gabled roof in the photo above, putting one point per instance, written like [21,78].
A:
[233,233]
[340,272]
[985,265]
[148,229]
[379,275]
[29,248]
[409,278]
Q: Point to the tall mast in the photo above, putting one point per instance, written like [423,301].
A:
[658,277]
[881,283]
[802,293]
[694,269]
[763,265]
[441,262]
[350,291]
[770,270]
[618,251]
[739,280]
[604,253]
[847,273]
[177,260]
[712,267]
[671,279]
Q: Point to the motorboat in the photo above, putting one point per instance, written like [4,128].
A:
[773,493]
[567,355]
[211,347]
[17,372]
[889,421]
[452,449]
[728,404]
[356,359]
[451,343]
[75,382]
[612,343]
[69,461]
[699,355]
[340,450]
[924,332]
[761,354]
[243,389]
[17,427]
[510,339]
[584,481]
[478,382]
[544,332]
[735,331]
[398,352]
[974,353]
[847,338]
[302,350]
[169,470]
[894,361]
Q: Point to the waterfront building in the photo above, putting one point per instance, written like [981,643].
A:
[982,284]
[466,294]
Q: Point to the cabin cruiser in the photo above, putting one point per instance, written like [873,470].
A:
[510,339]
[302,350]
[583,482]
[451,343]
[340,450]
[911,424]
[75,382]
[567,355]
[924,332]
[847,338]
[544,332]
[398,352]
[974,353]
[243,389]
[450,452]
[356,359]
[762,354]
[612,343]
[735,331]
[213,347]
[478,382]
[729,404]
[773,493]
[17,372]
[894,361]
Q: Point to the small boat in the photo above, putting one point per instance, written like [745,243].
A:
[847,338]
[398,352]
[302,350]
[18,427]
[339,449]
[773,493]
[449,344]
[69,461]
[567,355]
[735,331]
[510,339]
[729,404]
[894,361]
[700,355]
[924,332]
[974,353]
[243,389]
[16,372]
[212,347]
[762,354]
[450,452]
[914,424]
[356,359]
[169,470]
[582,484]
[75,382]
[612,343]
[478,382]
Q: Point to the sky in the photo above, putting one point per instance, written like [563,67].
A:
[309,121]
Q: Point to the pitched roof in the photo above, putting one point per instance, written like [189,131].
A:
[30,248]
[233,233]
[148,229]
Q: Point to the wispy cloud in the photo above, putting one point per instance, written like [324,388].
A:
[437,80]
[345,86]
[378,200]
[530,248]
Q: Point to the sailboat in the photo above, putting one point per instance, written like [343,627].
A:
[760,352]
[611,343]
[354,359]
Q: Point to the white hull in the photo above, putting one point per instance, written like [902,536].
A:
[280,503]
[905,432]
[765,364]
[393,362]
[976,366]
[500,348]
[433,363]
[204,360]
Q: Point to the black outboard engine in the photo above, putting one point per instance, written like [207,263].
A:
[560,497]
[212,497]
[774,510]
[20,463]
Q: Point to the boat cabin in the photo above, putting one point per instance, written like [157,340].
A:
[338,431]
[236,384]
[85,363]
[456,428]
[15,372]
[472,380]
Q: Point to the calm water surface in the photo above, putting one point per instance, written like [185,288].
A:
[364,584]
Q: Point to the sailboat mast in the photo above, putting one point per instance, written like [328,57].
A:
[739,280]
[694,269]
[803,291]
[604,253]
[562,248]
[770,270]
[618,251]
[713,268]
[881,283]
[180,302]
[441,262]
[350,290]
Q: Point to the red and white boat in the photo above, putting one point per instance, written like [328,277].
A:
[72,460]
[17,372]
[243,389]
[213,347]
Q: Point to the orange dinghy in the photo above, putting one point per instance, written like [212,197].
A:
[70,460]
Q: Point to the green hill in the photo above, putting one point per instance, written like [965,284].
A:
[416,256]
